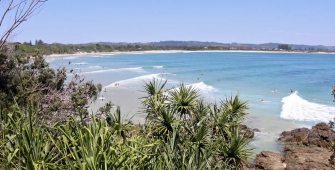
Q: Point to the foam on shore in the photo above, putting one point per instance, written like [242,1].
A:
[296,108]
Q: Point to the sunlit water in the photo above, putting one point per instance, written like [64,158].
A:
[255,76]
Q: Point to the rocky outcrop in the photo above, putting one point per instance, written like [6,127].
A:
[248,131]
[295,158]
[269,160]
[305,149]
[320,135]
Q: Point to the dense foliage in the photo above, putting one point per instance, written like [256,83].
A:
[29,81]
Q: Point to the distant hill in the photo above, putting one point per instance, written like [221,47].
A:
[200,43]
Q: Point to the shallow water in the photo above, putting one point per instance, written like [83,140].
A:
[255,76]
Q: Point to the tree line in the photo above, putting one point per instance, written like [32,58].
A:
[56,48]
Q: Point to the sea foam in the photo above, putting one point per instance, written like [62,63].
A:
[204,88]
[69,58]
[135,69]
[95,67]
[135,81]
[296,108]
[81,63]
[201,86]
[157,66]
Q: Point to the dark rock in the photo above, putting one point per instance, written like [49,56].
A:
[321,126]
[320,135]
[300,157]
[295,158]
[247,131]
[256,130]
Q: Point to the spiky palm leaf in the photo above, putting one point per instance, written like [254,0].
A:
[184,99]
[235,108]
[154,89]
[233,151]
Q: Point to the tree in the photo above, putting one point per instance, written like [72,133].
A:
[192,134]
[16,12]
[284,47]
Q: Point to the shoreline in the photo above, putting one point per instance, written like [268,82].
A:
[171,51]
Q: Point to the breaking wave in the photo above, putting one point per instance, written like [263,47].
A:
[157,66]
[204,88]
[95,67]
[138,81]
[81,63]
[296,108]
[135,69]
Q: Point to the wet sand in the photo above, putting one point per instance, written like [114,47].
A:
[128,100]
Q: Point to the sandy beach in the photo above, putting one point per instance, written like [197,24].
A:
[166,51]
[128,100]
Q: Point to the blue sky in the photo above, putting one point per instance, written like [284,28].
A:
[260,21]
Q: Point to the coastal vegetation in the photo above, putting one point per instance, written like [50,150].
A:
[39,47]
[45,124]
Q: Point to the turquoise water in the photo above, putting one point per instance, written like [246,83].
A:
[255,76]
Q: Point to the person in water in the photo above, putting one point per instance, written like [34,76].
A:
[291,91]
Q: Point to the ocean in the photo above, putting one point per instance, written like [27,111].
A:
[264,79]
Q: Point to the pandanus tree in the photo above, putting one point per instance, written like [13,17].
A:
[194,134]
[154,96]
[184,99]
[235,108]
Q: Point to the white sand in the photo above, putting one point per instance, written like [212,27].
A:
[164,51]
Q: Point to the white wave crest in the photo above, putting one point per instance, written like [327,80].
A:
[296,108]
[69,58]
[135,69]
[204,88]
[95,67]
[81,63]
[157,66]
[134,81]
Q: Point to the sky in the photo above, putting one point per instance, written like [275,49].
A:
[308,22]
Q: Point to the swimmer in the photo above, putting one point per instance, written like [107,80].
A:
[291,91]
[262,100]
